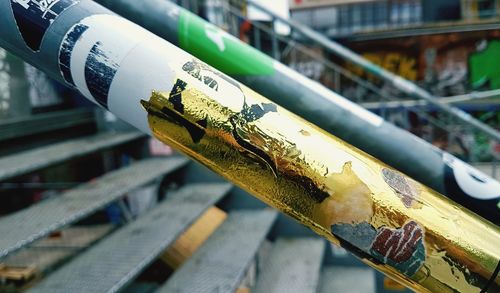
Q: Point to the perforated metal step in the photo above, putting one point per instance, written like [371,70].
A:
[18,127]
[28,161]
[118,259]
[39,220]
[293,266]
[347,279]
[220,264]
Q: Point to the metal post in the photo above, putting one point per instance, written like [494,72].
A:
[256,36]
[494,167]
[274,42]
[344,119]
[336,81]
[19,99]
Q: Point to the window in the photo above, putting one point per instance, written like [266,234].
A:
[486,8]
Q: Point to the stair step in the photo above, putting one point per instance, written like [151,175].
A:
[347,279]
[39,220]
[293,265]
[141,288]
[115,261]
[221,263]
[18,127]
[32,160]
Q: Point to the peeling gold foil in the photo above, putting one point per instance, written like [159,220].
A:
[396,225]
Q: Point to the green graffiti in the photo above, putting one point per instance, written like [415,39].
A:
[219,49]
[484,68]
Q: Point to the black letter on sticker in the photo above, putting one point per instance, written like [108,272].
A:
[175,96]
[33,18]
[100,70]
[196,130]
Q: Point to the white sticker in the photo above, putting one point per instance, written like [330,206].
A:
[473,182]
[212,83]
[116,63]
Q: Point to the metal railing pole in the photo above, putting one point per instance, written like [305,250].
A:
[314,102]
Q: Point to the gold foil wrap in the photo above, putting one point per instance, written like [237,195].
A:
[396,225]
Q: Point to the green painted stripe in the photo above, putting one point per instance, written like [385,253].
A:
[220,49]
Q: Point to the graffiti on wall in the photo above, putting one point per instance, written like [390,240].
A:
[446,65]
[396,62]
[484,69]
[445,71]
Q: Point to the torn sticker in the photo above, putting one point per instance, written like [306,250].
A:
[401,248]
[100,70]
[33,18]
[403,187]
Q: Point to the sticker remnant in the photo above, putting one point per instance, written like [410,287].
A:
[360,235]
[99,72]
[403,187]
[401,248]
[66,50]
[33,18]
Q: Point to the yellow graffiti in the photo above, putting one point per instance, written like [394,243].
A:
[394,62]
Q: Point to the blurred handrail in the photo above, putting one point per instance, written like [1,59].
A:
[398,82]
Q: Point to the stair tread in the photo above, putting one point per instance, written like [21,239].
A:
[12,128]
[221,263]
[25,226]
[114,262]
[293,265]
[38,158]
[347,279]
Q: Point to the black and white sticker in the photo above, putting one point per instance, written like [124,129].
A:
[115,63]
[67,48]
[472,188]
[89,57]
[34,17]
[464,178]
